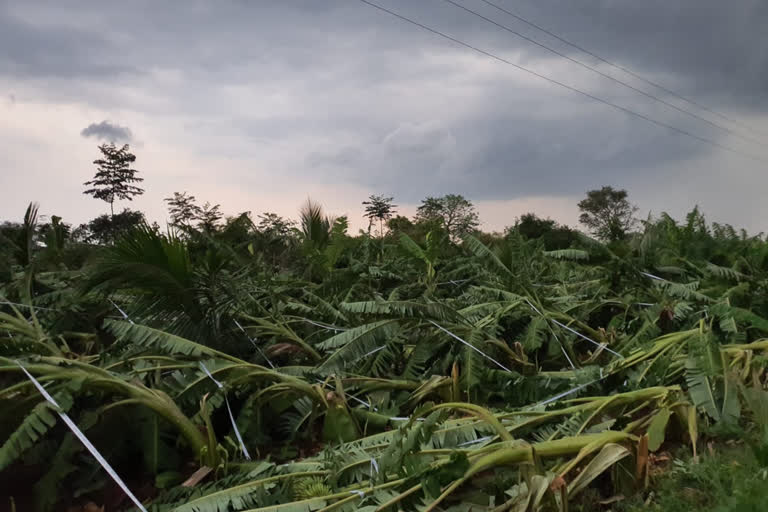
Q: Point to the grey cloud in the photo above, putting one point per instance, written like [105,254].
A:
[500,142]
[52,50]
[107,131]
[358,96]
[712,50]
[503,158]
[707,48]
[409,138]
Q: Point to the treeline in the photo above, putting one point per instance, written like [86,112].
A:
[287,244]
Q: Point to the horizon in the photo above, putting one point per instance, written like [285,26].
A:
[359,225]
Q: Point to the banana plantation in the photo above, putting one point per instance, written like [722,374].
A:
[231,367]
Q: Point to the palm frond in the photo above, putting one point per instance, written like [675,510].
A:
[479,249]
[355,343]
[40,419]
[568,254]
[168,343]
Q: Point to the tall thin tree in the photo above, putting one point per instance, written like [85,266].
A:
[183,209]
[114,178]
[208,217]
[381,208]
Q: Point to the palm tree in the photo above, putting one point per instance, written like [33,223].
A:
[316,230]
[315,225]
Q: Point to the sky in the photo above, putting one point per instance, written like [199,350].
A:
[258,104]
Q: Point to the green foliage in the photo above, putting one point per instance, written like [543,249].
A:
[403,371]
[657,429]
[17,241]
[352,345]
[35,425]
[164,342]
[554,236]
[107,229]
[728,481]
[568,254]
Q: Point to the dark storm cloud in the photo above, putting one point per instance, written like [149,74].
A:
[396,107]
[708,46]
[703,47]
[706,49]
[34,50]
[495,156]
[107,131]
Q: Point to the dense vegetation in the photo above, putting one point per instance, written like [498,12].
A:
[421,365]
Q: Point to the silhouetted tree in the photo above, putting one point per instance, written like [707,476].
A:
[182,209]
[380,208]
[275,226]
[399,225]
[456,213]
[553,235]
[106,229]
[607,213]
[114,176]
[18,240]
[208,217]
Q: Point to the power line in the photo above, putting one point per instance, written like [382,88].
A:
[561,84]
[604,75]
[620,67]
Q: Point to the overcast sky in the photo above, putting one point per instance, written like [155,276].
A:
[258,104]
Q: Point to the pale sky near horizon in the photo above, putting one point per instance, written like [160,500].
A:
[257,105]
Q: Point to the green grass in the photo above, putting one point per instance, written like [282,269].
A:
[728,480]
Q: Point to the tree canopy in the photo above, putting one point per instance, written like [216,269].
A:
[454,212]
[379,208]
[114,178]
[607,213]
[106,229]
[182,209]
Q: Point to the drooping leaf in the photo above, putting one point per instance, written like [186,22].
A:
[731,408]
[238,497]
[609,455]
[693,428]
[166,342]
[700,390]
[484,253]
[356,343]
[657,429]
